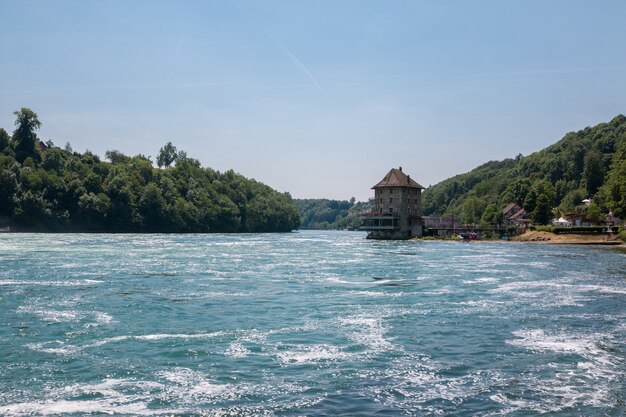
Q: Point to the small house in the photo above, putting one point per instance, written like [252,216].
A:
[515,215]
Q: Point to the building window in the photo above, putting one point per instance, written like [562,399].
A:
[390,200]
[390,209]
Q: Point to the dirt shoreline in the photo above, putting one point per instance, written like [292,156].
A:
[533,236]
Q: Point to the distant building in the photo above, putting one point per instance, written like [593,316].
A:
[397,212]
[580,219]
[561,222]
[514,215]
[441,226]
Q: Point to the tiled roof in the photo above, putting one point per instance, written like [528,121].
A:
[397,178]
[520,214]
[508,208]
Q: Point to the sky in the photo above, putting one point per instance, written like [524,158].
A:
[315,98]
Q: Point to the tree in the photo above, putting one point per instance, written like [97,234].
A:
[490,215]
[593,212]
[167,155]
[5,139]
[117,157]
[593,171]
[24,137]
[93,209]
[471,209]
[543,193]
[8,187]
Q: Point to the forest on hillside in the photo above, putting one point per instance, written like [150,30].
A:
[324,214]
[44,187]
[590,163]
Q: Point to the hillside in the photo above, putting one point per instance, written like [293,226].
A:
[590,163]
[330,214]
[47,188]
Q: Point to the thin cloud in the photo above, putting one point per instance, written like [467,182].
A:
[297,62]
[286,50]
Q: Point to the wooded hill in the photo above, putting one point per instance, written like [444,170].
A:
[590,163]
[326,214]
[47,188]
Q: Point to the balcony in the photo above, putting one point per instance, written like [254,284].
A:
[377,220]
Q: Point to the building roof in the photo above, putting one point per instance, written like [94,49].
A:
[509,207]
[520,214]
[397,178]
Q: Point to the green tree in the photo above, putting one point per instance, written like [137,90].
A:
[8,188]
[167,155]
[472,208]
[93,209]
[490,215]
[152,207]
[543,193]
[24,137]
[593,172]
[594,213]
[116,157]
[5,139]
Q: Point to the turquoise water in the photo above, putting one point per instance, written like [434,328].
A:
[308,323]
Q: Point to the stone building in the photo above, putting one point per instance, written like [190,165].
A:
[397,212]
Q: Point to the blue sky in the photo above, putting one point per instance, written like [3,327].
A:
[318,98]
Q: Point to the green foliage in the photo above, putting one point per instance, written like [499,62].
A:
[330,214]
[5,139]
[24,137]
[63,190]
[593,212]
[167,155]
[590,163]
[115,156]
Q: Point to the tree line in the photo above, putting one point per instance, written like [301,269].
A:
[590,163]
[44,187]
[324,214]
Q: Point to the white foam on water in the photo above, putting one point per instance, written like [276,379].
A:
[585,382]
[157,336]
[374,294]
[103,318]
[538,340]
[68,283]
[336,280]
[414,381]
[311,354]
[191,386]
[368,331]
[113,400]
[56,347]
[63,407]
[484,280]
[237,350]
[54,316]
[72,349]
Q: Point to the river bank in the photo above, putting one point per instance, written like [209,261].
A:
[534,236]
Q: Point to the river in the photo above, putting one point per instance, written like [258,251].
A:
[308,323]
